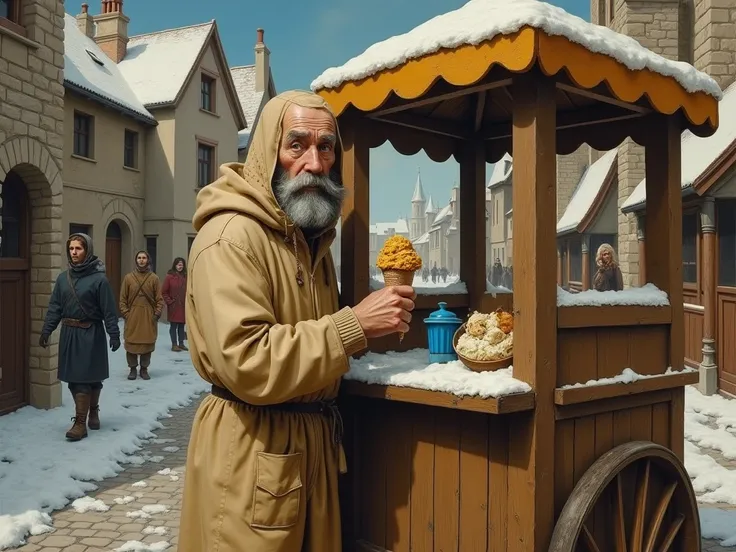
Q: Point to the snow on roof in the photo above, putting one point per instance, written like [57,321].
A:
[244,79]
[383,228]
[501,171]
[157,64]
[430,207]
[586,191]
[424,238]
[647,295]
[88,68]
[481,20]
[445,212]
[697,154]
[418,190]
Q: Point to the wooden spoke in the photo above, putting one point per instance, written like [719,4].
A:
[643,490]
[589,540]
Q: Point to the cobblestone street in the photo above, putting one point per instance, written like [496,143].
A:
[106,531]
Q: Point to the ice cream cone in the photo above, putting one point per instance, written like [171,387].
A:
[398,278]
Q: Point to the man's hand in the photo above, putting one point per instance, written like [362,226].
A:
[114,344]
[386,311]
[43,341]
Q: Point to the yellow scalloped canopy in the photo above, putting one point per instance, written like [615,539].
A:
[518,52]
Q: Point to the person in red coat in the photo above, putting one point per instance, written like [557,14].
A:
[175,296]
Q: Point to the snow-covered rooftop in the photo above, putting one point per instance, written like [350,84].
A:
[158,64]
[383,228]
[443,215]
[698,153]
[244,79]
[501,171]
[86,67]
[481,20]
[586,192]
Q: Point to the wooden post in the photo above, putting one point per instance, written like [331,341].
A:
[531,458]
[559,264]
[708,384]
[640,236]
[473,220]
[568,264]
[664,251]
[354,247]
[585,250]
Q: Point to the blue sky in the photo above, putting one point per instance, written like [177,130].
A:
[305,38]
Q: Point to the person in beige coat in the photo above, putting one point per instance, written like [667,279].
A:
[141,304]
[266,330]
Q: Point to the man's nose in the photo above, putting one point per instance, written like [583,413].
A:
[312,162]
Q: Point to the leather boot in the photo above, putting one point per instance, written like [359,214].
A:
[182,347]
[133,373]
[175,348]
[144,373]
[94,409]
[79,430]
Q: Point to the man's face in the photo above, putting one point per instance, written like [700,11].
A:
[141,260]
[77,252]
[305,184]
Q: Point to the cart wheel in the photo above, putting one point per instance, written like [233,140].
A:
[637,497]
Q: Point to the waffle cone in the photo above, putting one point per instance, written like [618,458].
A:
[398,277]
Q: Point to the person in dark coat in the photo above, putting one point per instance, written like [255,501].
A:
[608,277]
[174,292]
[83,302]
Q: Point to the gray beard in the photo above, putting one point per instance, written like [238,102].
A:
[312,211]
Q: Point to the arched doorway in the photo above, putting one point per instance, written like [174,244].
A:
[15,264]
[114,257]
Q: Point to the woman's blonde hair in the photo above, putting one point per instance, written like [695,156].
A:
[599,254]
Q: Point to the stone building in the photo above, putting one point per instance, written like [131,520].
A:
[31,195]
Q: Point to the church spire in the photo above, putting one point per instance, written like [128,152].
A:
[418,190]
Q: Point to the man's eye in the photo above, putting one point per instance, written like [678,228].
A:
[326,147]
[296,146]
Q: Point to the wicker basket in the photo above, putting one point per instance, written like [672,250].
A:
[479,365]
[398,277]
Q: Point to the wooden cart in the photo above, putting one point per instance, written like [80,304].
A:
[559,468]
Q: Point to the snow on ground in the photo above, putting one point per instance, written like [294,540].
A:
[710,425]
[40,471]
[411,369]
[647,295]
[453,285]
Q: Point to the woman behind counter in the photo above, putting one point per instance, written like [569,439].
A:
[608,277]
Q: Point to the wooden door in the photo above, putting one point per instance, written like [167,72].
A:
[15,313]
[114,258]
[725,342]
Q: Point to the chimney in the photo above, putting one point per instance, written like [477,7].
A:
[112,30]
[85,22]
[263,66]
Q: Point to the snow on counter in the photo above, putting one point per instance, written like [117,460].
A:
[647,295]
[453,285]
[410,369]
[627,376]
[482,20]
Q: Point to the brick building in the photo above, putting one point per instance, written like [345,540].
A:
[31,144]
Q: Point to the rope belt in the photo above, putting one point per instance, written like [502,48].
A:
[74,323]
[327,408]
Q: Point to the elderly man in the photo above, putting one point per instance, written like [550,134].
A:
[266,330]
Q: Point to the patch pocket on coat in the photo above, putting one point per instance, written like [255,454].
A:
[277,495]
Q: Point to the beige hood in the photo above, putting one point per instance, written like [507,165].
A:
[246,187]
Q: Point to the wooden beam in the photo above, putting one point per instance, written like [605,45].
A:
[588,116]
[577,395]
[571,89]
[473,220]
[664,241]
[518,402]
[607,406]
[480,107]
[355,215]
[442,95]
[612,316]
[427,124]
[531,458]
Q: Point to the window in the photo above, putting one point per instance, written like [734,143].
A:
[205,164]
[207,94]
[80,229]
[83,135]
[130,152]
[726,226]
[690,248]
[10,10]
[190,241]
[151,247]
